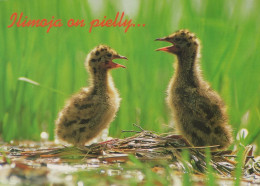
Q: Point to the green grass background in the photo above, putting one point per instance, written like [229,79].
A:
[229,32]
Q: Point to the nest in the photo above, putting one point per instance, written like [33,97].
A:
[148,146]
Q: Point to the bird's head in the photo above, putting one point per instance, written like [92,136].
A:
[101,59]
[182,42]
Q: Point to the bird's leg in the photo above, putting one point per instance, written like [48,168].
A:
[177,136]
[81,146]
[108,141]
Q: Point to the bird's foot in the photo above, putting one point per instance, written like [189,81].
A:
[108,141]
[178,136]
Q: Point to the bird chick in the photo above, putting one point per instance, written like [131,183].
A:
[198,111]
[91,110]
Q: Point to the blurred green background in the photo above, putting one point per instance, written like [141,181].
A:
[229,32]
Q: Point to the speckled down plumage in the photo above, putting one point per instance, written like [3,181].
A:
[198,111]
[88,112]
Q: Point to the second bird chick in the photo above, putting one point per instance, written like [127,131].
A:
[199,112]
[91,110]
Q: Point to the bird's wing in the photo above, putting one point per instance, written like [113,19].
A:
[82,108]
[205,108]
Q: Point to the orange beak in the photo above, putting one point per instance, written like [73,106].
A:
[112,65]
[170,49]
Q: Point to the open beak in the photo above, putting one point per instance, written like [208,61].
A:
[111,64]
[170,49]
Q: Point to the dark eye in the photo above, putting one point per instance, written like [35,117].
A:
[93,60]
[109,55]
[97,53]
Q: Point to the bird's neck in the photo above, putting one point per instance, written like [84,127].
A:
[187,70]
[102,82]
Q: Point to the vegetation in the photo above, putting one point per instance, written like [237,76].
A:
[228,30]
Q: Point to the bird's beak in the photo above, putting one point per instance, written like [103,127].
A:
[119,57]
[170,49]
[111,64]
[161,39]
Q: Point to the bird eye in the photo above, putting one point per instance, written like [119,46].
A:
[109,55]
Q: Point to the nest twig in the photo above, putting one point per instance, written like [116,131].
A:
[148,146]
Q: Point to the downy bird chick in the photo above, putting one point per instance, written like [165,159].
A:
[198,111]
[91,110]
